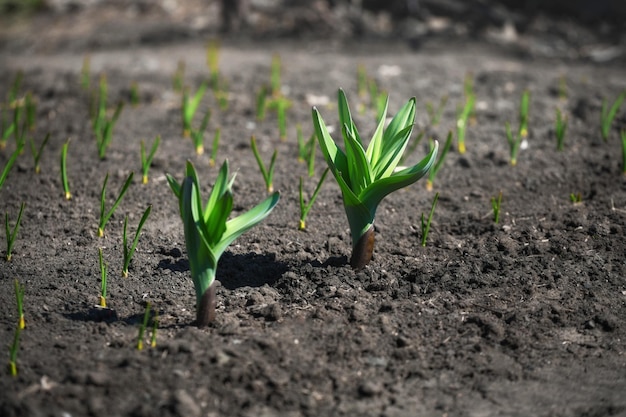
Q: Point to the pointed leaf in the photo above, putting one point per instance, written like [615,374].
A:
[402,119]
[376,144]
[335,158]
[392,152]
[359,171]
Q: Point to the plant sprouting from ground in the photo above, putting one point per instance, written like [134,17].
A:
[306,207]
[267,172]
[425,223]
[523,114]
[608,114]
[106,215]
[7,168]
[36,152]
[142,327]
[146,159]
[514,143]
[134,94]
[197,136]
[64,180]
[129,251]
[104,268]
[208,232]
[103,125]
[190,106]
[463,121]
[366,176]
[19,298]
[437,165]
[12,233]
[560,127]
[496,203]
[576,198]
[435,113]
[213,60]
[13,349]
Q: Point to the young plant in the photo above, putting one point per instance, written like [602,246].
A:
[426,223]
[281,104]
[197,136]
[306,150]
[7,128]
[19,298]
[12,234]
[208,232]
[190,106]
[30,112]
[576,198]
[361,80]
[559,130]
[261,103]
[101,123]
[214,146]
[177,78]
[134,94]
[562,90]
[435,114]
[142,327]
[437,165]
[37,152]
[462,121]
[64,181]
[146,160]
[267,172]
[106,215]
[514,143]
[365,177]
[13,349]
[129,251]
[496,203]
[103,280]
[305,208]
[10,162]
[275,82]
[608,114]
[523,114]
[212,60]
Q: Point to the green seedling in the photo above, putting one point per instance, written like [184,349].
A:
[261,103]
[197,136]
[496,203]
[468,85]
[221,95]
[146,160]
[305,208]
[64,180]
[275,82]
[134,94]
[435,114]
[12,234]
[514,143]
[523,114]
[155,326]
[106,215]
[426,223]
[85,70]
[608,114]
[212,60]
[179,75]
[129,251]
[623,136]
[267,172]
[190,106]
[142,327]
[14,348]
[208,232]
[104,268]
[462,121]
[214,147]
[576,198]
[10,162]
[559,130]
[365,177]
[19,298]
[17,118]
[306,149]
[281,104]
[37,152]
[30,112]
[439,163]
[103,125]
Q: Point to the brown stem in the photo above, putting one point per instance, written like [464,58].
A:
[363,250]
[205,312]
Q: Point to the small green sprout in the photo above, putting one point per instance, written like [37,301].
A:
[142,327]
[10,162]
[275,82]
[129,251]
[514,143]
[212,60]
[19,298]
[106,215]
[37,152]
[607,115]
[425,224]
[177,78]
[496,203]
[134,94]
[559,130]
[306,150]
[155,326]
[85,77]
[623,136]
[197,136]
[305,208]
[208,232]
[64,180]
[261,103]
[146,160]
[437,165]
[523,114]
[190,106]
[104,268]
[13,349]
[435,114]
[12,234]
[267,172]
[281,104]
[214,147]
[576,198]
[17,117]
[365,177]
[103,125]
[462,121]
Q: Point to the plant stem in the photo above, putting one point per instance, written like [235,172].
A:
[437,166]
[426,225]
[363,250]
[496,204]
[103,280]
[214,146]
[142,328]
[11,235]
[205,312]
[146,161]
[268,174]
[104,216]
[64,181]
[128,252]
[37,153]
[19,298]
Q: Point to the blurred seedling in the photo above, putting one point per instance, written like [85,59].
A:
[434,114]
[462,121]
[190,106]
[64,180]
[559,130]
[214,146]
[514,143]
[522,132]
[11,233]
[523,114]
[267,172]
[197,136]
[19,298]
[129,251]
[104,269]
[14,91]
[179,75]
[21,324]
[85,73]
[608,114]
[7,128]
[9,164]
[281,104]
[305,208]
[13,349]
[143,325]
[106,215]
[218,85]
[576,198]
[261,103]
[37,152]
[103,125]
[146,159]
[134,94]
[361,81]
[496,203]
[304,147]
[439,163]
[425,223]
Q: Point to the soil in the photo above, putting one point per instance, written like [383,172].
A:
[520,318]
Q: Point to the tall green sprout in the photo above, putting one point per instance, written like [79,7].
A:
[12,234]
[106,215]
[608,114]
[129,251]
[366,176]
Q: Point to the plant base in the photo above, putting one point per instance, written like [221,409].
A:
[205,312]
[363,250]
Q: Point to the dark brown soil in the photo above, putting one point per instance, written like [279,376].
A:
[520,318]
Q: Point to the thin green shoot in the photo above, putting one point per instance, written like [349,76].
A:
[425,223]
[514,143]
[304,147]
[30,112]
[129,251]
[106,215]
[10,162]
[190,106]
[305,208]
[214,146]
[462,121]
[212,60]
[439,163]
[496,204]
[146,159]
[267,172]
[142,327]
[64,180]
[576,198]
[523,114]
[11,233]
[221,95]
[378,98]
[19,298]
[134,94]
[37,152]
[261,103]
[14,348]
[311,159]
[280,104]
[179,75]
[85,77]
[608,114]
[435,113]
[104,268]
[197,136]
[559,130]
[275,81]
[412,147]
[155,326]
[623,136]
[104,134]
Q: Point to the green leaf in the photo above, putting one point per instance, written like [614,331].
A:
[375,146]
[393,148]
[336,159]
[359,171]
[345,117]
